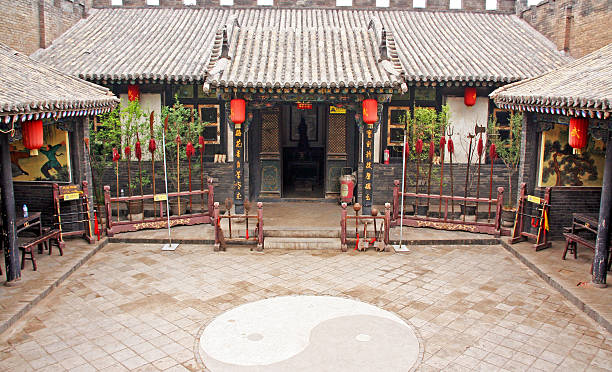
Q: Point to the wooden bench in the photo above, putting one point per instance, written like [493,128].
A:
[571,244]
[47,239]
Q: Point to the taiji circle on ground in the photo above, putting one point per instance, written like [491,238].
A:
[308,333]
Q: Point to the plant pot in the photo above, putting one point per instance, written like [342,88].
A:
[468,209]
[420,209]
[507,217]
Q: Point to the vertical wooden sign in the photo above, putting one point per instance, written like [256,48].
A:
[368,164]
[238,169]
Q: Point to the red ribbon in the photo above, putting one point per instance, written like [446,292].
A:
[138,150]
[492,152]
[152,145]
[432,150]
[451,146]
[127,151]
[442,143]
[480,146]
[407,149]
[189,150]
[419,146]
[116,155]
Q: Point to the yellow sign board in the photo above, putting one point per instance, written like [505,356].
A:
[534,199]
[337,110]
[71,196]
[160,197]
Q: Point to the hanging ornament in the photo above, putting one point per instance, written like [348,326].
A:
[578,133]
[370,111]
[469,96]
[419,146]
[32,134]
[238,108]
[133,92]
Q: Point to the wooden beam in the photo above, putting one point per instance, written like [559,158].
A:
[11,253]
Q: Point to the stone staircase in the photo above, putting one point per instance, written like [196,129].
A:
[295,238]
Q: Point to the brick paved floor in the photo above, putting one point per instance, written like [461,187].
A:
[132,307]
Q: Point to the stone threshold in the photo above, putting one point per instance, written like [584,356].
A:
[27,305]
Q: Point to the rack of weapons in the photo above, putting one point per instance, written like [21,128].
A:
[79,216]
[159,220]
[237,236]
[380,223]
[538,216]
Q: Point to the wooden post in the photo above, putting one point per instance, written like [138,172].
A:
[216,223]
[260,225]
[211,197]
[387,225]
[500,202]
[518,220]
[602,244]
[238,170]
[368,167]
[108,210]
[396,199]
[11,253]
[343,246]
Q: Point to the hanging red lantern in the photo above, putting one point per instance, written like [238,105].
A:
[238,108]
[418,147]
[370,111]
[201,142]
[469,96]
[133,92]
[32,135]
[578,132]
[189,150]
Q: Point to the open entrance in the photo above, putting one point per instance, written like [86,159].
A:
[303,152]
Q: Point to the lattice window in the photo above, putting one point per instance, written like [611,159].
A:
[336,139]
[269,132]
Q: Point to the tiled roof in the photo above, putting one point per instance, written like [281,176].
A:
[30,87]
[271,57]
[582,87]
[176,44]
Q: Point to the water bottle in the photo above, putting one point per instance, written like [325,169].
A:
[25,211]
[122,193]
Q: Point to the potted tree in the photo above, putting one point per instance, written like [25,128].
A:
[133,121]
[425,128]
[183,131]
[509,151]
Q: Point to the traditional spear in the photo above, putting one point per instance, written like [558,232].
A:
[128,153]
[467,176]
[493,156]
[138,153]
[152,147]
[479,150]
[189,151]
[442,145]
[116,157]
[418,148]
[432,152]
[247,208]
[228,208]
[451,150]
[201,142]
[406,155]
[178,169]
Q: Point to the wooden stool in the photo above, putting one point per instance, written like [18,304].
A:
[27,250]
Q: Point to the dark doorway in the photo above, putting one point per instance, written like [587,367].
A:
[303,152]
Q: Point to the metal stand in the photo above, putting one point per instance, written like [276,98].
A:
[169,246]
[401,247]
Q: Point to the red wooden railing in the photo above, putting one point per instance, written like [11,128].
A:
[381,244]
[221,240]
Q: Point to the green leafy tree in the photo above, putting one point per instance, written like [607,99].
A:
[509,149]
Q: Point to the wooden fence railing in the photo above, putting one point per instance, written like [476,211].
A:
[221,240]
[381,234]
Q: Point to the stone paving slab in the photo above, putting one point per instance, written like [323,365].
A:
[133,307]
[33,286]
[571,277]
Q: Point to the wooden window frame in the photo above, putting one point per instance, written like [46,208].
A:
[215,124]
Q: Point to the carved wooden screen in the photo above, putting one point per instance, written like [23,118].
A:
[336,139]
[269,132]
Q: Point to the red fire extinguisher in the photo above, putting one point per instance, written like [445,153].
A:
[386,156]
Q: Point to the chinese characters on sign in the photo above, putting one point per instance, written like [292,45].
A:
[238,165]
[368,160]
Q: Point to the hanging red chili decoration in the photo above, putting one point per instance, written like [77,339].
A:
[138,150]
[133,92]
[116,154]
[152,145]
[238,108]
[127,151]
[493,152]
[578,132]
[469,96]
[419,146]
[189,150]
[370,111]
[201,143]
[32,135]
[451,146]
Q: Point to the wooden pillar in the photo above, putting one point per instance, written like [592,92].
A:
[11,253]
[600,260]
[367,188]
[238,169]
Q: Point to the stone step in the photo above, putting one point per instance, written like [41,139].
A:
[302,243]
[281,232]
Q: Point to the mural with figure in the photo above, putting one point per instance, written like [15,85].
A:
[52,162]
[559,166]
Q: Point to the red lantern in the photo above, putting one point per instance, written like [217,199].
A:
[578,132]
[32,134]
[469,96]
[238,107]
[133,92]
[370,111]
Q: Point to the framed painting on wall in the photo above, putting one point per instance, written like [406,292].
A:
[559,166]
[52,164]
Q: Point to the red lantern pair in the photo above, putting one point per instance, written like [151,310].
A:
[370,111]
[578,132]
[469,96]
[32,133]
[238,111]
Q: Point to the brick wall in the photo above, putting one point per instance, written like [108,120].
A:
[502,5]
[29,24]
[590,26]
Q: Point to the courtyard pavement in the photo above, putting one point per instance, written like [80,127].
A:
[133,307]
